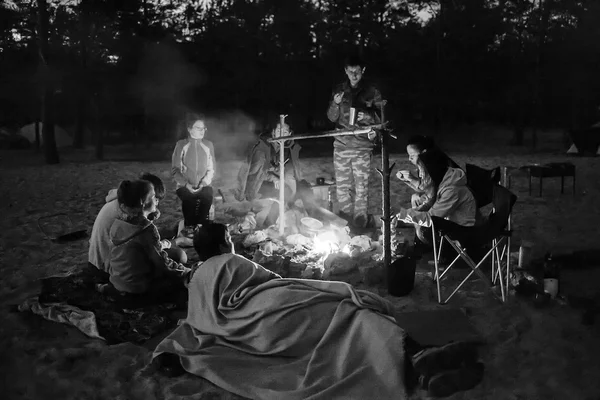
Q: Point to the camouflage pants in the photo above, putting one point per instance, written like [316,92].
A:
[352,169]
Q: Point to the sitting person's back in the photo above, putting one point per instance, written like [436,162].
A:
[130,267]
[99,251]
[100,244]
[454,200]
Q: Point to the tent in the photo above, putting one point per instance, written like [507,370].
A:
[585,141]
[63,139]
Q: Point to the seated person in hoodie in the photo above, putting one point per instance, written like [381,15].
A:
[453,200]
[100,245]
[193,168]
[421,183]
[259,176]
[138,264]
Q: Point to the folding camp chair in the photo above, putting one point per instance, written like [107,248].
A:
[465,240]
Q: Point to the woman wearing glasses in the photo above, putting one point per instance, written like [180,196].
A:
[193,168]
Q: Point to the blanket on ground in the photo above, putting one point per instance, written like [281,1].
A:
[264,337]
[71,299]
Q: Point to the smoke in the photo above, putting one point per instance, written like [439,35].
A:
[231,132]
[164,82]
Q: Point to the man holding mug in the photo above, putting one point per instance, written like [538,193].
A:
[354,103]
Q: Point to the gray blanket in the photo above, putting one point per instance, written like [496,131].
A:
[263,337]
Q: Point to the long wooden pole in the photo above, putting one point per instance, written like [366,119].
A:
[346,132]
[281,177]
[385,172]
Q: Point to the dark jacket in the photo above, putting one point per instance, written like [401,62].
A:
[261,158]
[366,98]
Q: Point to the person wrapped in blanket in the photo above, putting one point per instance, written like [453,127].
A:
[421,183]
[258,178]
[261,336]
[452,198]
[193,167]
[100,244]
[139,266]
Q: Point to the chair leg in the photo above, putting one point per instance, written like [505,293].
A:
[493,263]
[436,257]
[474,270]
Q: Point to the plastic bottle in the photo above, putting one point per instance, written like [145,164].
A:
[551,276]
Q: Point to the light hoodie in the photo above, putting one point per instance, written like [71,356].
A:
[99,251]
[137,257]
[454,202]
[193,162]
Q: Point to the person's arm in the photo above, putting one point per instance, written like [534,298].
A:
[333,112]
[161,261]
[257,162]
[210,166]
[290,181]
[370,114]
[176,165]
[445,203]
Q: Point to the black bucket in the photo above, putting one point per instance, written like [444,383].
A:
[401,276]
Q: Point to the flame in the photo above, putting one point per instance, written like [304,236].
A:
[325,247]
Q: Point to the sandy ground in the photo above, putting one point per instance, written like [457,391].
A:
[531,353]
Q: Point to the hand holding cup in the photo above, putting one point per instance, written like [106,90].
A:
[403,175]
[337,98]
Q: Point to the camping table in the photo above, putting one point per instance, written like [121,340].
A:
[551,170]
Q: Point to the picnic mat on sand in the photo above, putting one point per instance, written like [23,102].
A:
[264,337]
[71,299]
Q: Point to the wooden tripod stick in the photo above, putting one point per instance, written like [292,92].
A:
[281,176]
[385,173]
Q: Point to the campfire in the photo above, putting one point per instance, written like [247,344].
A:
[309,248]
[323,247]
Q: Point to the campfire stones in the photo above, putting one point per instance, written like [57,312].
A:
[372,274]
[338,263]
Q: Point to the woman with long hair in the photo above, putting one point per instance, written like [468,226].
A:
[452,199]
[423,197]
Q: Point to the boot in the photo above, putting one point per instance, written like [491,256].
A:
[449,382]
[432,361]
[169,365]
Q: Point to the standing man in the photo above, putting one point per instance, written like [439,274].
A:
[352,154]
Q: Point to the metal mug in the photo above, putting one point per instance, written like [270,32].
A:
[352,118]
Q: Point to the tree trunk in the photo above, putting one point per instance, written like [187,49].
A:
[78,139]
[37,135]
[437,121]
[82,95]
[544,11]
[50,150]
[99,131]
[99,143]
